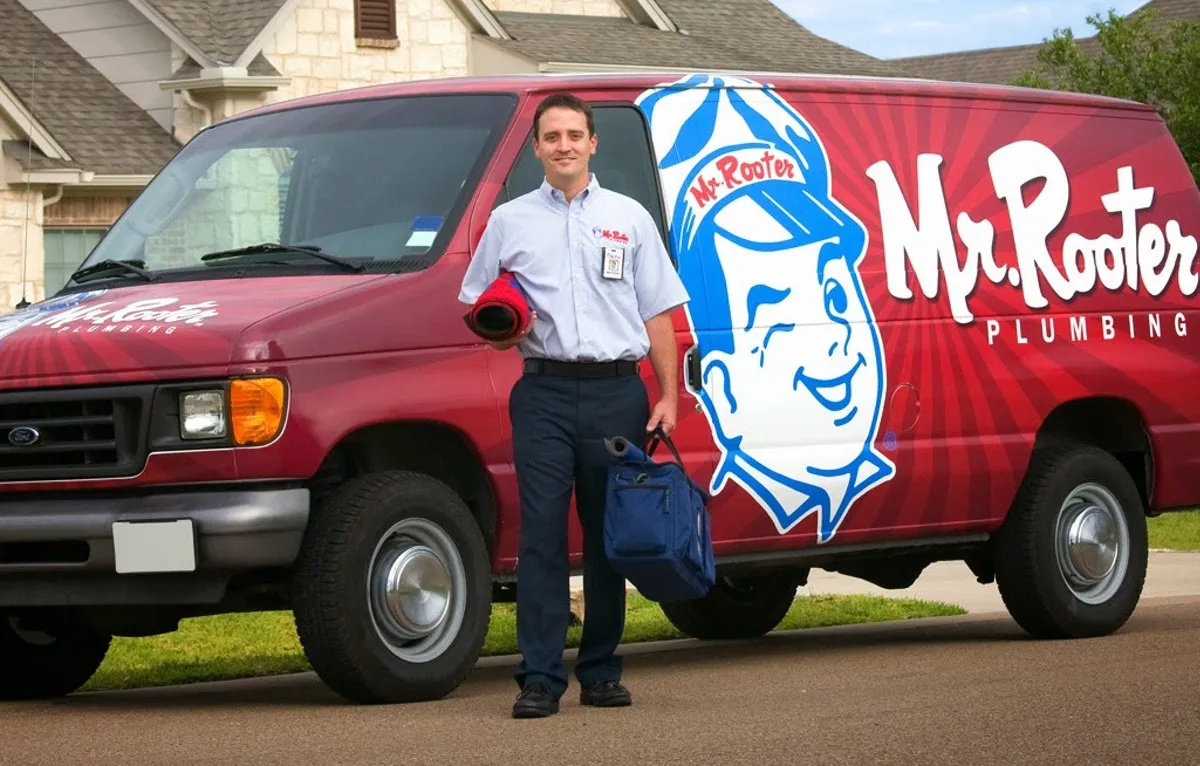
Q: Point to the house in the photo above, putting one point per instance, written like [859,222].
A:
[1000,66]
[96,95]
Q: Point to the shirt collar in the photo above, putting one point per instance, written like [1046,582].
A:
[555,196]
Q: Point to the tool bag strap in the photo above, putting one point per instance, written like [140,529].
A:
[658,435]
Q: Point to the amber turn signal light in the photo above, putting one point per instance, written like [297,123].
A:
[256,407]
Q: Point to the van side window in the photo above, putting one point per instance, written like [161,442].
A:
[623,162]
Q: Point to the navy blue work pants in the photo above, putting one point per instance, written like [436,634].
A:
[559,426]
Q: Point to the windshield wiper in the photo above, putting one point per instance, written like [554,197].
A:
[124,268]
[274,247]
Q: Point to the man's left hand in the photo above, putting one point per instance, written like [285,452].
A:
[665,415]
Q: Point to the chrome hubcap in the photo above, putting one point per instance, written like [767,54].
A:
[1092,543]
[416,589]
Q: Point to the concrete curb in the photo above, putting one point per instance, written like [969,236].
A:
[1170,573]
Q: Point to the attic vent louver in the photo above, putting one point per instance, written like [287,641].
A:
[375,19]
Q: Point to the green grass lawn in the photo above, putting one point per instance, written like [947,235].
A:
[1178,531]
[247,645]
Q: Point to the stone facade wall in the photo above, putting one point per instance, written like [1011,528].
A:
[185,120]
[318,50]
[566,7]
[13,210]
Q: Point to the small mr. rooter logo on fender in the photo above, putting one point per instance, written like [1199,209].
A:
[1148,257]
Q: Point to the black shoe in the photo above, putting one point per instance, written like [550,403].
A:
[605,694]
[534,701]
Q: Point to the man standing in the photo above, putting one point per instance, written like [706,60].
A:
[601,287]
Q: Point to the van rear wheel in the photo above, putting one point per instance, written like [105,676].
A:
[1071,558]
[393,589]
[735,608]
[42,659]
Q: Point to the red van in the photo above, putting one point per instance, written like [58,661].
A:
[927,322]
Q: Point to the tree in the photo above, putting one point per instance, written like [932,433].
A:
[1132,58]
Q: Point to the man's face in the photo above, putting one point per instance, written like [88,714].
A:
[563,143]
[804,377]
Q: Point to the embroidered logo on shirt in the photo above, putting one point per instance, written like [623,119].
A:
[611,234]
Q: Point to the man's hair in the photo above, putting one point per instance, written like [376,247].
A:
[562,100]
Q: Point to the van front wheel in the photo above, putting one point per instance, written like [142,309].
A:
[393,590]
[42,659]
[1071,558]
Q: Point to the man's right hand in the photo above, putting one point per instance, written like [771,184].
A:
[516,340]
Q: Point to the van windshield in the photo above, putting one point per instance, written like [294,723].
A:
[372,185]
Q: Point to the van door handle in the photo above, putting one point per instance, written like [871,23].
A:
[691,368]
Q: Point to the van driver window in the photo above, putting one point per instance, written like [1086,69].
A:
[623,162]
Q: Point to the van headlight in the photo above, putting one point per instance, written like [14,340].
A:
[245,412]
[202,415]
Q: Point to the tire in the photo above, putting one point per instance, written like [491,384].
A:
[43,661]
[351,637]
[1035,570]
[734,609]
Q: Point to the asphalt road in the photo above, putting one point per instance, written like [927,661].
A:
[955,690]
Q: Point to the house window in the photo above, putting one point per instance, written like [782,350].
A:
[65,250]
[375,22]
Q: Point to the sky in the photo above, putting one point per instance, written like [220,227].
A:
[895,28]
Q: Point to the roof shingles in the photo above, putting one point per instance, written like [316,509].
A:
[751,35]
[1001,66]
[102,129]
[220,28]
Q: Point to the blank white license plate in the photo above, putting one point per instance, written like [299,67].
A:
[154,546]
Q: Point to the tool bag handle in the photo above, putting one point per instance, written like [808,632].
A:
[659,435]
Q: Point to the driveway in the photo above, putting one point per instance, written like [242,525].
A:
[959,690]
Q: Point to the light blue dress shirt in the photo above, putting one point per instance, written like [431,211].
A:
[558,251]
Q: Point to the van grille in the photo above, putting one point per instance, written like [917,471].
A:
[73,434]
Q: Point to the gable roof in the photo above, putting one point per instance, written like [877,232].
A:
[725,34]
[221,29]
[1001,66]
[100,127]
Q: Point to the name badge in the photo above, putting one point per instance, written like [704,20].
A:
[614,262]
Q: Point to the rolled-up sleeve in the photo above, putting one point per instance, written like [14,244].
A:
[485,264]
[655,279]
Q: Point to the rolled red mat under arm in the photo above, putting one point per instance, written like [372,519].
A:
[502,311]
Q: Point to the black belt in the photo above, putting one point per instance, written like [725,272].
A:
[614,369]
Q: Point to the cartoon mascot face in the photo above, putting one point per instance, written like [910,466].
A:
[792,366]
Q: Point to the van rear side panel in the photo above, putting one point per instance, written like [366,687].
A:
[934,277]
[1070,274]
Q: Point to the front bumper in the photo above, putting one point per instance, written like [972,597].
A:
[226,531]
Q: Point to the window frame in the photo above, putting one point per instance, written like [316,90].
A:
[58,230]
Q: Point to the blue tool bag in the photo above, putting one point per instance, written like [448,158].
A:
[656,527]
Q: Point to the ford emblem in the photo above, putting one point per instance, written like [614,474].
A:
[24,436]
